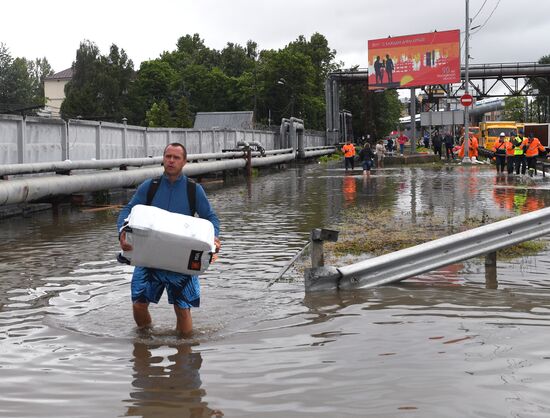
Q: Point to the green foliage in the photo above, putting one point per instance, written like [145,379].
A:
[21,82]
[195,78]
[100,84]
[159,115]
[514,109]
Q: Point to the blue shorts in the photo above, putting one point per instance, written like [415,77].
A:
[148,284]
[367,165]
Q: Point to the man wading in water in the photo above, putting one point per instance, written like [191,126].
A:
[148,284]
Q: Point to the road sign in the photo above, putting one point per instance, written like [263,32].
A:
[466,100]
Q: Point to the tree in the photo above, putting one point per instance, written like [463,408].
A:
[99,87]
[159,115]
[514,109]
[21,82]
[542,99]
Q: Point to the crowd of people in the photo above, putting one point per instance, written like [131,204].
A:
[516,154]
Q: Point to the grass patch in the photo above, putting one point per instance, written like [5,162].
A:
[330,157]
[374,232]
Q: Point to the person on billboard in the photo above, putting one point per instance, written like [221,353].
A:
[389,68]
[148,284]
[378,70]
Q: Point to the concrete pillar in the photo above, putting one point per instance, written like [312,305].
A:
[21,140]
[98,142]
[145,143]
[65,141]
[124,137]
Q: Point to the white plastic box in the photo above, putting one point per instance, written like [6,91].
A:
[169,241]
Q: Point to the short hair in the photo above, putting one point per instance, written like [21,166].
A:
[176,144]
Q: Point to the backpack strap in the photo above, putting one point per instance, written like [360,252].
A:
[191,193]
[153,187]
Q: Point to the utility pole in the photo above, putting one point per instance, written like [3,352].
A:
[466,158]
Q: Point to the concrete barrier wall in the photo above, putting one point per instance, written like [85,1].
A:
[32,140]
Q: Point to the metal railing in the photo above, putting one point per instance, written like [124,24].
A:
[409,262]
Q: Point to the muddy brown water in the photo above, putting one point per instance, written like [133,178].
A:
[446,344]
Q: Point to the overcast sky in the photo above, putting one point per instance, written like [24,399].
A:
[516,31]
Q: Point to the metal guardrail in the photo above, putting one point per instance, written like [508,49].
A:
[409,262]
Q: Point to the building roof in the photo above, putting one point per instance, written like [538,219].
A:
[224,120]
[62,75]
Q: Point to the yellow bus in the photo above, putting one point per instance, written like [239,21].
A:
[490,131]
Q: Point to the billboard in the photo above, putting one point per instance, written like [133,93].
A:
[414,60]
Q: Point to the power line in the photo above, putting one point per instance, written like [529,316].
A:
[486,20]
[480,9]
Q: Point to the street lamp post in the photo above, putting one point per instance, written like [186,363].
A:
[466,158]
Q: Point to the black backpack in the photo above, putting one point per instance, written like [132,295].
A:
[191,193]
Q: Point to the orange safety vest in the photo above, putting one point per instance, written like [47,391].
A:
[348,150]
[500,146]
[472,148]
[533,148]
[509,148]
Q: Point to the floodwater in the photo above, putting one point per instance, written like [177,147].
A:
[446,344]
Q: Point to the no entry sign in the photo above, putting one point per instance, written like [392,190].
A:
[466,100]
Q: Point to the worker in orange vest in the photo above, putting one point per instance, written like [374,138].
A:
[349,154]
[532,152]
[473,147]
[510,153]
[519,143]
[499,150]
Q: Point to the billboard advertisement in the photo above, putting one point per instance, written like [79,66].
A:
[414,60]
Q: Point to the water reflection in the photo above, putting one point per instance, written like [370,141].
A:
[167,385]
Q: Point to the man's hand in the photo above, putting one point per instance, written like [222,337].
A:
[123,243]
[218,245]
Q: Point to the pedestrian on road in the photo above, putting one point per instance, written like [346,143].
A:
[349,155]
[436,142]
[367,157]
[500,153]
[520,145]
[148,284]
[531,154]
[380,151]
[448,141]
[402,140]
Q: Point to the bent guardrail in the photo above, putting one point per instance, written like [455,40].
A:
[409,262]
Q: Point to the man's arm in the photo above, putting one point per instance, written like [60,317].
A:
[140,197]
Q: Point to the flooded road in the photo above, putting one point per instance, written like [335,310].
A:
[446,344]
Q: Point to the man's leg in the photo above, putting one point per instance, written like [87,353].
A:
[141,314]
[184,322]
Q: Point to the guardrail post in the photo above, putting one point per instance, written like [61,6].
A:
[318,236]
[491,259]
[491,281]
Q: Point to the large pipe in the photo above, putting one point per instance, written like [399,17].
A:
[64,166]
[41,188]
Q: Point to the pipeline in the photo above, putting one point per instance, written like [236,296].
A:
[41,188]
[66,166]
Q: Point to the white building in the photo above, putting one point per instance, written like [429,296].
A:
[54,91]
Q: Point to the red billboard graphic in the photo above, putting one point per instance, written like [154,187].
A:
[415,60]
